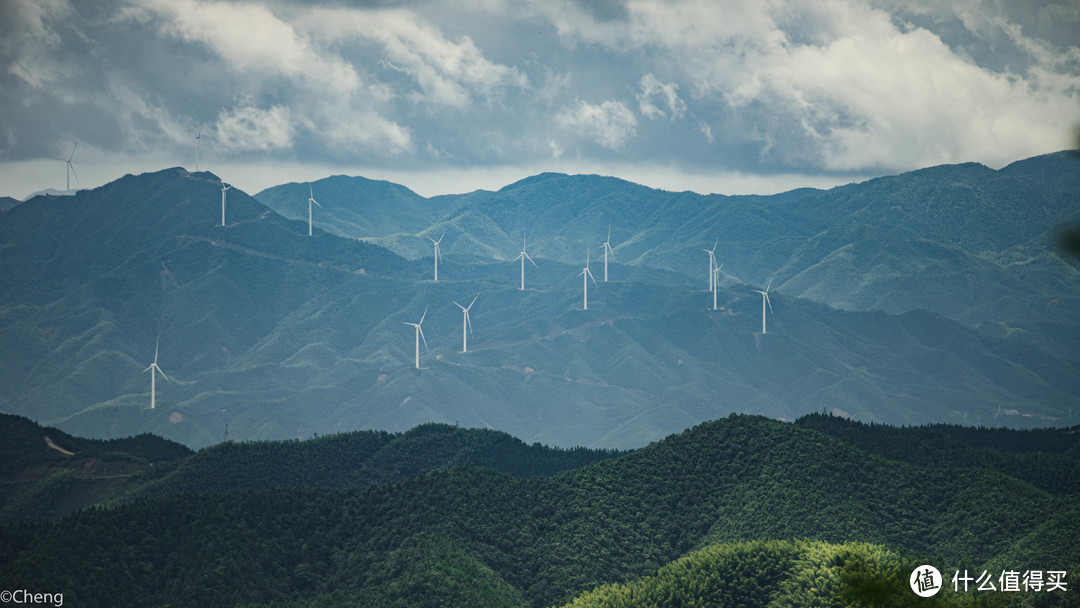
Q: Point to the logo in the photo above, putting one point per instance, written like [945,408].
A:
[925,581]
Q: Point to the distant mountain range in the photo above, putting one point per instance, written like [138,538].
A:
[932,296]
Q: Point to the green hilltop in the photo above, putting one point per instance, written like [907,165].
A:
[755,509]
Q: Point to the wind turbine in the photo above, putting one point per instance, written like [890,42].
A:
[585,276]
[712,264]
[198,138]
[223,189]
[607,250]
[437,254]
[466,323]
[70,167]
[765,300]
[716,284]
[153,378]
[524,256]
[311,199]
[419,335]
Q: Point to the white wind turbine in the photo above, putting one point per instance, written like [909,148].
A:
[311,199]
[765,300]
[437,254]
[153,377]
[716,284]
[607,250]
[466,323]
[712,264]
[223,189]
[70,170]
[585,275]
[524,256]
[419,335]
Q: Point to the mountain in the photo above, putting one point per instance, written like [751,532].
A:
[46,473]
[6,203]
[964,241]
[729,497]
[280,335]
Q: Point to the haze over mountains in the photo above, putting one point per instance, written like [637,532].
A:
[932,296]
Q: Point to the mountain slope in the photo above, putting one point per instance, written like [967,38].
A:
[545,540]
[281,335]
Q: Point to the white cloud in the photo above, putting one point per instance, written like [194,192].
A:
[246,128]
[609,124]
[654,92]
[448,73]
[839,84]
[253,40]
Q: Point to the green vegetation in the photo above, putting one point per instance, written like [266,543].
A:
[772,574]
[723,493]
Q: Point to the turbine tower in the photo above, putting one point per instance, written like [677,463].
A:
[437,254]
[585,276]
[153,377]
[70,170]
[607,250]
[223,189]
[311,199]
[198,138]
[712,264]
[524,256]
[765,300]
[716,284]
[466,323]
[419,335]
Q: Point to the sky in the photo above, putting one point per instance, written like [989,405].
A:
[723,96]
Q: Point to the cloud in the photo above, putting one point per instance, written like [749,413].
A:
[253,40]
[610,124]
[654,92]
[448,73]
[246,128]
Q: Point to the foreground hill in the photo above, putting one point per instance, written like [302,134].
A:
[46,473]
[280,335]
[472,537]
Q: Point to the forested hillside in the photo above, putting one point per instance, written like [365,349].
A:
[472,537]
[47,473]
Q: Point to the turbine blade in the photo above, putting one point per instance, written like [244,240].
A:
[591,277]
[715,244]
[441,237]
[311,194]
[421,330]
[473,302]
[73,148]
[530,259]
[769,286]
[72,167]
[468,321]
[769,302]
[148,369]
[156,345]
[316,203]
[422,316]
[163,375]
[459,305]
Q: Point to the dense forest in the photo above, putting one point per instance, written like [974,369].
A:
[461,535]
